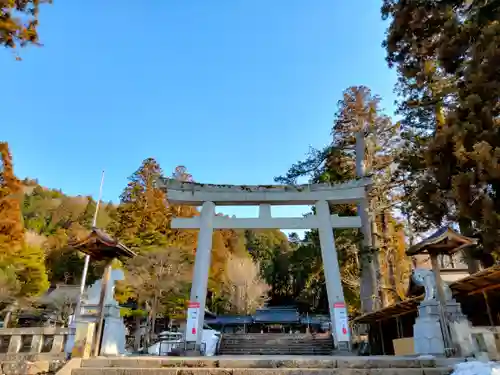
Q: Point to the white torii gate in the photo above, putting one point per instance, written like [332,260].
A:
[319,195]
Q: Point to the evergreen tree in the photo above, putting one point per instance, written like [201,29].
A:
[31,271]
[358,111]
[446,54]
[86,218]
[142,219]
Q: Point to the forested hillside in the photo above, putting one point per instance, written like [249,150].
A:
[249,268]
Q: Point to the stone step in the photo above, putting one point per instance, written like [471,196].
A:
[285,348]
[283,342]
[275,344]
[267,351]
[273,362]
[265,337]
[259,371]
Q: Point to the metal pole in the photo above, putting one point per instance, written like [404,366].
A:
[87,257]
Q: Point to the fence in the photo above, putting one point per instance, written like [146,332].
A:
[33,340]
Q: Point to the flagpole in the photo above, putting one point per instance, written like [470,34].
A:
[87,257]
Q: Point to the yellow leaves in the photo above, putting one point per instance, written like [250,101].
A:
[429,67]
[440,117]
[19,31]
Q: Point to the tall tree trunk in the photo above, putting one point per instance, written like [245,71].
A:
[378,280]
[390,235]
[473,264]
[154,310]
[384,254]
[137,333]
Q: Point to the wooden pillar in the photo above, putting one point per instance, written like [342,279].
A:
[442,301]
[488,309]
[102,309]
[381,331]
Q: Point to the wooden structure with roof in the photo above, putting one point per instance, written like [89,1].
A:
[444,241]
[472,291]
[100,246]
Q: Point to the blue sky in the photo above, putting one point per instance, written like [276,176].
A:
[235,90]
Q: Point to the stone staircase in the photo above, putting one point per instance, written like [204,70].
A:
[262,365]
[275,344]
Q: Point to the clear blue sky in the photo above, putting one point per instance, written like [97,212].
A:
[234,90]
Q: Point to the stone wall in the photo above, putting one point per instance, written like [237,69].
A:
[32,350]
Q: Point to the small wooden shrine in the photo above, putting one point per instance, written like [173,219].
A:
[395,322]
[444,250]
[100,246]
[444,241]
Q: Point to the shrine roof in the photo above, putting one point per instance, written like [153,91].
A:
[100,246]
[484,280]
[444,241]
[398,309]
[193,193]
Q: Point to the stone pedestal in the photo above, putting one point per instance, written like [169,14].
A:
[460,330]
[427,330]
[84,336]
[114,333]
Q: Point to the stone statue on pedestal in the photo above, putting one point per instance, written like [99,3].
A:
[428,332]
[427,279]
[94,291]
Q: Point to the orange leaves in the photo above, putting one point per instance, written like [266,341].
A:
[19,23]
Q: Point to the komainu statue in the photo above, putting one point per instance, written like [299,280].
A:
[427,279]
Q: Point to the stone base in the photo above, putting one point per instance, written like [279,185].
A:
[462,338]
[113,337]
[427,332]
[114,334]
[264,365]
[454,311]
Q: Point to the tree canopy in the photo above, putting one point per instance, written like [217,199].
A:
[19,22]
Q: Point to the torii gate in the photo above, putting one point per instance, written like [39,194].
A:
[319,195]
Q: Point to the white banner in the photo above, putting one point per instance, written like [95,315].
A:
[193,314]
[341,321]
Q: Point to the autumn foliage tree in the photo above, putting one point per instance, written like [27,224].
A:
[11,223]
[245,289]
[159,280]
[26,260]
[19,22]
